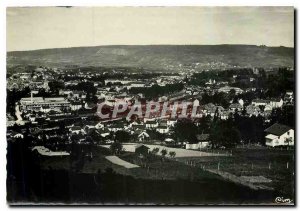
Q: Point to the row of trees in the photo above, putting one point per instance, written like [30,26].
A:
[163,152]
[236,129]
[155,91]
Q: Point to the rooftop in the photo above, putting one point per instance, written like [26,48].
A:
[278,129]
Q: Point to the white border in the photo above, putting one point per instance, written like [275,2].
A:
[6,3]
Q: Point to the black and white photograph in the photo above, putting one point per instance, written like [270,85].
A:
[150,105]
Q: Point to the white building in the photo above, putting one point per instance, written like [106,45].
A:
[227,89]
[162,129]
[39,103]
[279,135]
[202,142]
[151,124]
[276,103]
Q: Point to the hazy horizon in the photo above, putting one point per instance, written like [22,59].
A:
[37,28]
[148,45]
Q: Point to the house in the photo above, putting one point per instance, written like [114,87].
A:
[142,150]
[260,102]
[289,96]
[169,140]
[137,126]
[76,106]
[209,109]
[276,102]
[18,135]
[235,107]
[268,108]
[163,123]
[252,110]
[99,125]
[196,103]
[90,105]
[227,89]
[89,127]
[75,130]
[116,127]
[143,136]
[201,142]
[162,129]
[224,115]
[104,132]
[279,135]
[171,122]
[241,102]
[151,124]
[136,85]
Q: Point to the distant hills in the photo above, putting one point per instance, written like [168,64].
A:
[158,57]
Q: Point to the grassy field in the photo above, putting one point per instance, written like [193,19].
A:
[160,179]
[274,164]
[153,168]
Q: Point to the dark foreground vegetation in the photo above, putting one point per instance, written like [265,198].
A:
[28,181]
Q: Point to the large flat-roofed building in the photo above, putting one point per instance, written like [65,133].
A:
[43,104]
[227,89]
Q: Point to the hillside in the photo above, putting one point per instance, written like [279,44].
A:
[171,57]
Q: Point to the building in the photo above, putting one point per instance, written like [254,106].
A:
[202,142]
[162,129]
[171,122]
[252,110]
[151,124]
[75,130]
[142,150]
[260,102]
[227,89]
[47,152]
[39,103]
[235,107]
[276,102]
[143,136]
[136,85]
[279,135]
[289,96]
[76,106]
[209,109]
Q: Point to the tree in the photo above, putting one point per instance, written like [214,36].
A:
[184,130]
[55,86]
[172,154]
[164,152]
[224,133]
[116,148]
[155,150]
[288,141]
[122,136]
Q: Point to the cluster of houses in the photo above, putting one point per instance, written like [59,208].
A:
[69,101]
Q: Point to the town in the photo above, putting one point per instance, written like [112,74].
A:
[231,113]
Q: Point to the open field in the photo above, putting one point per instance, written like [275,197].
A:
[130,147]
[273,164]
[157,180]
[152,168]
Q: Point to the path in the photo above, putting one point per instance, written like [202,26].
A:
[120,162]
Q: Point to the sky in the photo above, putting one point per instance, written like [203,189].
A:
[29,28]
